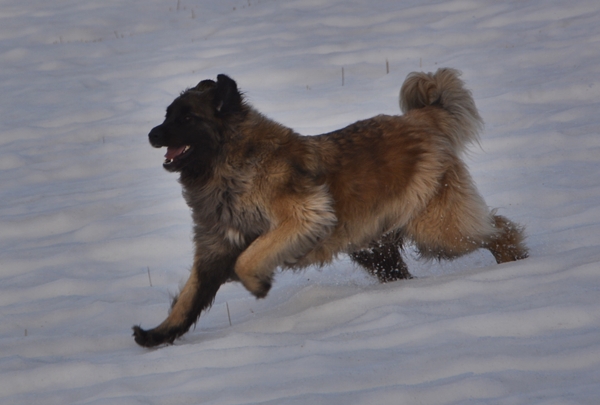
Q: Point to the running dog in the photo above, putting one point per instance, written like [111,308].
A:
[264,197]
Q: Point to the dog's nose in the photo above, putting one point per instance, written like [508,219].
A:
[155,137]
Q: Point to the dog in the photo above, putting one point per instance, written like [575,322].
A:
[264,197]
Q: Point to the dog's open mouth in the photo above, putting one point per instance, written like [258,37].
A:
[175,153]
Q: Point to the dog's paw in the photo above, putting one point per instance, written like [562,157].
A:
[149,338]
[258,286]
[263,290]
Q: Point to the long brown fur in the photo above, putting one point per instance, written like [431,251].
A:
[264,197]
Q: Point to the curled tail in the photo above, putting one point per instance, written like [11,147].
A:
[444,89]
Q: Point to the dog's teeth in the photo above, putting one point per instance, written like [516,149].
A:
[186,148]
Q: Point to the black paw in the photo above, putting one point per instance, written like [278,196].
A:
[150,338]
[383,261]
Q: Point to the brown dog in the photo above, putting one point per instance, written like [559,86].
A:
[264,197]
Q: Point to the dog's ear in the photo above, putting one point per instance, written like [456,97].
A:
[228,99]
[205,85]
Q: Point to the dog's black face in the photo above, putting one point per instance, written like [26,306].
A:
[192,129]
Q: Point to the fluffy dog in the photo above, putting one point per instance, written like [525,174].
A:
[264,197]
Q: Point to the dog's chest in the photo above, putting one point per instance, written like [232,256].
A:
[228,206]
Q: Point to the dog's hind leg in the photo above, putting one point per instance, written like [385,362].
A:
[383,259]
[507,244]
[457,221]
[198,294]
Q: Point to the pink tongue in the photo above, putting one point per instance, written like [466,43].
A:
[172,153]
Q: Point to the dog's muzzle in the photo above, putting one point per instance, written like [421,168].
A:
[156,137]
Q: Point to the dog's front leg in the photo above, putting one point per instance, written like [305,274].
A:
[198,294]
[300,226]
[255,267]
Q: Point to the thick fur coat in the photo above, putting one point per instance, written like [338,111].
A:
[264,197]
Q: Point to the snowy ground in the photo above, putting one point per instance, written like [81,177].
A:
[87,210]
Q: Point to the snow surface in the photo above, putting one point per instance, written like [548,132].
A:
[95,236]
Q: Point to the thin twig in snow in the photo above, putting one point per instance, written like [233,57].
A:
[228,314]
[149,279]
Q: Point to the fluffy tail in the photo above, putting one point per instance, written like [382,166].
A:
[444,89]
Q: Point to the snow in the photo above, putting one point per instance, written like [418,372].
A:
[95,236]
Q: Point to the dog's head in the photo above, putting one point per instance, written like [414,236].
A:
[196,122]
